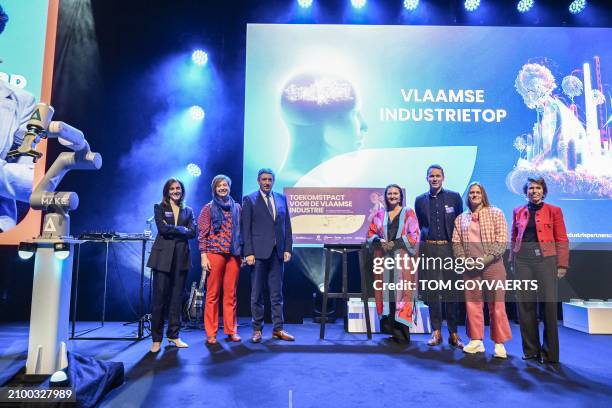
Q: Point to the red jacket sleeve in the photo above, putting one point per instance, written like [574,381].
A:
[560,237]
[513,232]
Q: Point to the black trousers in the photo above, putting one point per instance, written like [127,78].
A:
[544,270]
[167,295]
[399,331]
[437,299]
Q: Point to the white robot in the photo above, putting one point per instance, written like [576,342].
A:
[54,248]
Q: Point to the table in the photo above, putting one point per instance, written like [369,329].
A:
[139,238]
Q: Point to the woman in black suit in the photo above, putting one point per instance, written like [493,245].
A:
[170,261]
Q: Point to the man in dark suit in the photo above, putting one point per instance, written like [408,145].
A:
[266,231]
[436,211]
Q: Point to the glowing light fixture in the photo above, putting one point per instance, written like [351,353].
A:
[305,3]
[197,113]
[26,250]
[577,6]
[471,5]
[411,5]
[194,170]
[358,3]
[62,250]
[199,57]
[524,6]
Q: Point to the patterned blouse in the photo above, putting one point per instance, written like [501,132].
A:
[493,232]
[209,241]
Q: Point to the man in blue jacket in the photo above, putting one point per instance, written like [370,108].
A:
[266,229]
[436,211]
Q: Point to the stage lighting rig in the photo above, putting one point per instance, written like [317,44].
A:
[471,5]
[577,6]
[197,113]
[411,5]
[305,3]
[194,170]
[199,57]
[358,4]
[524,6]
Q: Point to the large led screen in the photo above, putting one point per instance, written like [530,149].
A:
[364,106]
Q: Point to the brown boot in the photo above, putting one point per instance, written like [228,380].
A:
[256,337]
[282,335]
[436,338]
[455,341]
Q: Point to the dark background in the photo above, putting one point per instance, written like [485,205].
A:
[110,81]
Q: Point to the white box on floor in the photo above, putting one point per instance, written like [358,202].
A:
[356,317]
[588,317]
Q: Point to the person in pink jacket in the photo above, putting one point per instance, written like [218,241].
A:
[481,233]
[394,231]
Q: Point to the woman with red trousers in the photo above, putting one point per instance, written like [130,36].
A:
[219,242]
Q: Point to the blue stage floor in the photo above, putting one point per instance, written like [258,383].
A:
[345,370]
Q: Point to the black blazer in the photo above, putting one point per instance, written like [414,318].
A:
[260,232]
[172,241]
[453,205]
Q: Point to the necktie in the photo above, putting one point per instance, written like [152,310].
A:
[269,205]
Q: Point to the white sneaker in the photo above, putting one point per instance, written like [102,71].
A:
[178,343]
[474,346]
[500,351]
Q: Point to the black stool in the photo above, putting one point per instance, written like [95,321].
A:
[344,250]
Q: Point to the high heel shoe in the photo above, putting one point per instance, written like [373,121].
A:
[178,343]
[211,340]
[155,347]
[234,337]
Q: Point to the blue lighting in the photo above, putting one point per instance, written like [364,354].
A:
[61,255]
[61,250]
[199,57]
[25,255]
[305,3]
[577,6]
[358,3]
[471,5]
[524,6]
[26,250]
[194,170]
[411,5]
[196,113]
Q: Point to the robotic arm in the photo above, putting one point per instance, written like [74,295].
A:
[44,196]
[50,309]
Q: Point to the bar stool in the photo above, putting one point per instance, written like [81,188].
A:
[344,250]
